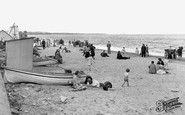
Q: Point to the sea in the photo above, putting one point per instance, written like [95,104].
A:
[157,43]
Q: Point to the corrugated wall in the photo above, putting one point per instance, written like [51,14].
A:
[19,54]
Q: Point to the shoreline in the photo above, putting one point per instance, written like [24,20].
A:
[132,51]
[116,49]
[133,54]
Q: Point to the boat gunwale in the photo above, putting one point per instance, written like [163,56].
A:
[39,74]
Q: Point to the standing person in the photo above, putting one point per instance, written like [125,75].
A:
[90,61]
[126,77]
[43,44]
[69,42]
[179,52]
[92,48]
[108,47]
[137,51]
[147,50]
[86,42]
[143,51]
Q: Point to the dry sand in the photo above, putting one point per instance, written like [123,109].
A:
[138,99]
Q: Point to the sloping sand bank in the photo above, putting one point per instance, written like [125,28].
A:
[4,104]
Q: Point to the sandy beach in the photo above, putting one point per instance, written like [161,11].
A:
[138,99]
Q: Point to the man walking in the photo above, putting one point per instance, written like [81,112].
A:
[43,44]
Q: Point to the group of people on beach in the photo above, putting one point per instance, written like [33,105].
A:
[173,53]
[89,51]
[159,68]
[89,54]
[81,81]
[58,55]
[144,50]
[120,54]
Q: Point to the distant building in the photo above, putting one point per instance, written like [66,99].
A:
[4,36]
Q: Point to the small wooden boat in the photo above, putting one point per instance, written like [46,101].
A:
[44,61]
[50,78]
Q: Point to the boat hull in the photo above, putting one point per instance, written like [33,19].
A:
[46,62]
[17,76]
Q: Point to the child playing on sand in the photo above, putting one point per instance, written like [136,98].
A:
[77,82]
[126,77]
[90,60]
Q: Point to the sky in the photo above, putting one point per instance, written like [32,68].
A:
[95,16]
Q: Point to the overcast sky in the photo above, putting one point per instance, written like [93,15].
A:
[95,16]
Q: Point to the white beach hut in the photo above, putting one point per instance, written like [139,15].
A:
[19,53]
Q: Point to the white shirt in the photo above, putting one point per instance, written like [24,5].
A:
[123,50]
[137,51]
[126,75]
[95,83]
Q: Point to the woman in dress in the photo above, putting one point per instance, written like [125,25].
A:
[119,56]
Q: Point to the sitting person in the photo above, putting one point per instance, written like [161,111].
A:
[35,52]
[103,54]
[66,50]
[78,82]
[58,56]
[86,54]
[160,62]
[160,69]
[119,56]
[152,68]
